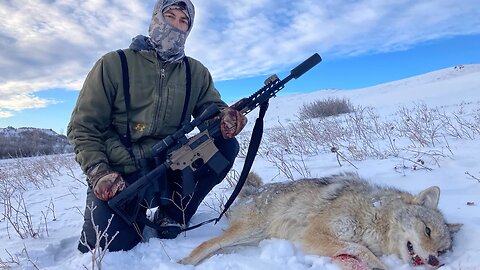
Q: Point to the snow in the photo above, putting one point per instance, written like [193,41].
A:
[61,200]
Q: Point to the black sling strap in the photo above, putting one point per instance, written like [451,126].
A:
[251,154]
[188,89]
[127,138]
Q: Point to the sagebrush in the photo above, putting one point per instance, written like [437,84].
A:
[325,108]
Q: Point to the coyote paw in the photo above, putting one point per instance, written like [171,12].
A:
[186,261]
[347,261]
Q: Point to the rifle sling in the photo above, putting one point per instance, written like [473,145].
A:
[251,154]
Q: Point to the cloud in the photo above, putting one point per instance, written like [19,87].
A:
[17,102]
[53,45]
[4,114]
[264,36]
[49,44]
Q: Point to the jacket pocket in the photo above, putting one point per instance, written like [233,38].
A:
[117,154]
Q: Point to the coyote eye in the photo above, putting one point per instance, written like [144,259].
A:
[428,231]
[441,252]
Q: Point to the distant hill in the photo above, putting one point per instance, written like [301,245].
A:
[27,142]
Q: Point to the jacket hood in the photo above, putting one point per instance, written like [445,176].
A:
[161,5]
[167,40]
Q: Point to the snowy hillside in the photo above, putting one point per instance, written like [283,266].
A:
[378,146]
[11,131]
[443,87]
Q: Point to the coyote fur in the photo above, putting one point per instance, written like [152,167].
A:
[337,216]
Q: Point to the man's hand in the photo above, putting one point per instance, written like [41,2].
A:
[231,122]
[105,182]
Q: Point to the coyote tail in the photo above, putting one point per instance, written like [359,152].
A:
[251,185]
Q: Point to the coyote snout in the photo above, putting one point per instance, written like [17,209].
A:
[338,216]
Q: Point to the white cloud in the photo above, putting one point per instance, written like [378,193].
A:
[266,36]
[4,114]
[47,45]
[53,45]
[18,102]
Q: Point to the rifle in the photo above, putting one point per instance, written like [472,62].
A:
[189,154]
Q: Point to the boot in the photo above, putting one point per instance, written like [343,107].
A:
[169,228]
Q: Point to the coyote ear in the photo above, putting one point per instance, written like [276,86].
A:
[429,197]
[454,227]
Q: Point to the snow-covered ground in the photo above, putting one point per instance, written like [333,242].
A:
[56,205]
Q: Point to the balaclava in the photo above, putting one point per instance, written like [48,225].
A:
[167,40]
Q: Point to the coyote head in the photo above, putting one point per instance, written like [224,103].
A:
[419,230]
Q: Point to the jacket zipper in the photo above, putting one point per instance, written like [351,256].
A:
[159,92]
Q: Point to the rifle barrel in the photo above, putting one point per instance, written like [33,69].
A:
[306,65]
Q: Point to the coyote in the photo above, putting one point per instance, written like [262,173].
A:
[341,216]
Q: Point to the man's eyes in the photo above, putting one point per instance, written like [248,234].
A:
[172,16]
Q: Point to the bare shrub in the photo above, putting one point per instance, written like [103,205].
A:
[232,178]
[365,132]
[243,141]
[217,203]
[16,260]
[97,251]
[473,176]
[17,214]
[417,136]
[326,107]
[180,201]
[422,125]
[476,123]
[220,198]
[287,163]
[22,174]
[340,156]
[307,140]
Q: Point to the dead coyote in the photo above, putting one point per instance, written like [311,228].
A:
[338,216]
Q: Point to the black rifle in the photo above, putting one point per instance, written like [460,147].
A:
[189,154]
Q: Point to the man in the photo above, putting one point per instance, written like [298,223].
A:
[113,127]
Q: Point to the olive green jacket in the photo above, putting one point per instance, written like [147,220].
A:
[157,93]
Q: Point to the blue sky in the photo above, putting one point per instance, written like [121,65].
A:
[48,48]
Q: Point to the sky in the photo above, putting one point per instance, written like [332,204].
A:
[54,204]
[48,47]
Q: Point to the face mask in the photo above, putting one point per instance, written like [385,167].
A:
[169,41]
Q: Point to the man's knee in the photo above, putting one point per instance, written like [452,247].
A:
[111,240]
[229,148]
[112,231]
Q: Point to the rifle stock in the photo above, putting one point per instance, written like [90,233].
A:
[190,154]
[128,202]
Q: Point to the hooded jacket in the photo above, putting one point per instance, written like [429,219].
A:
[157,91]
